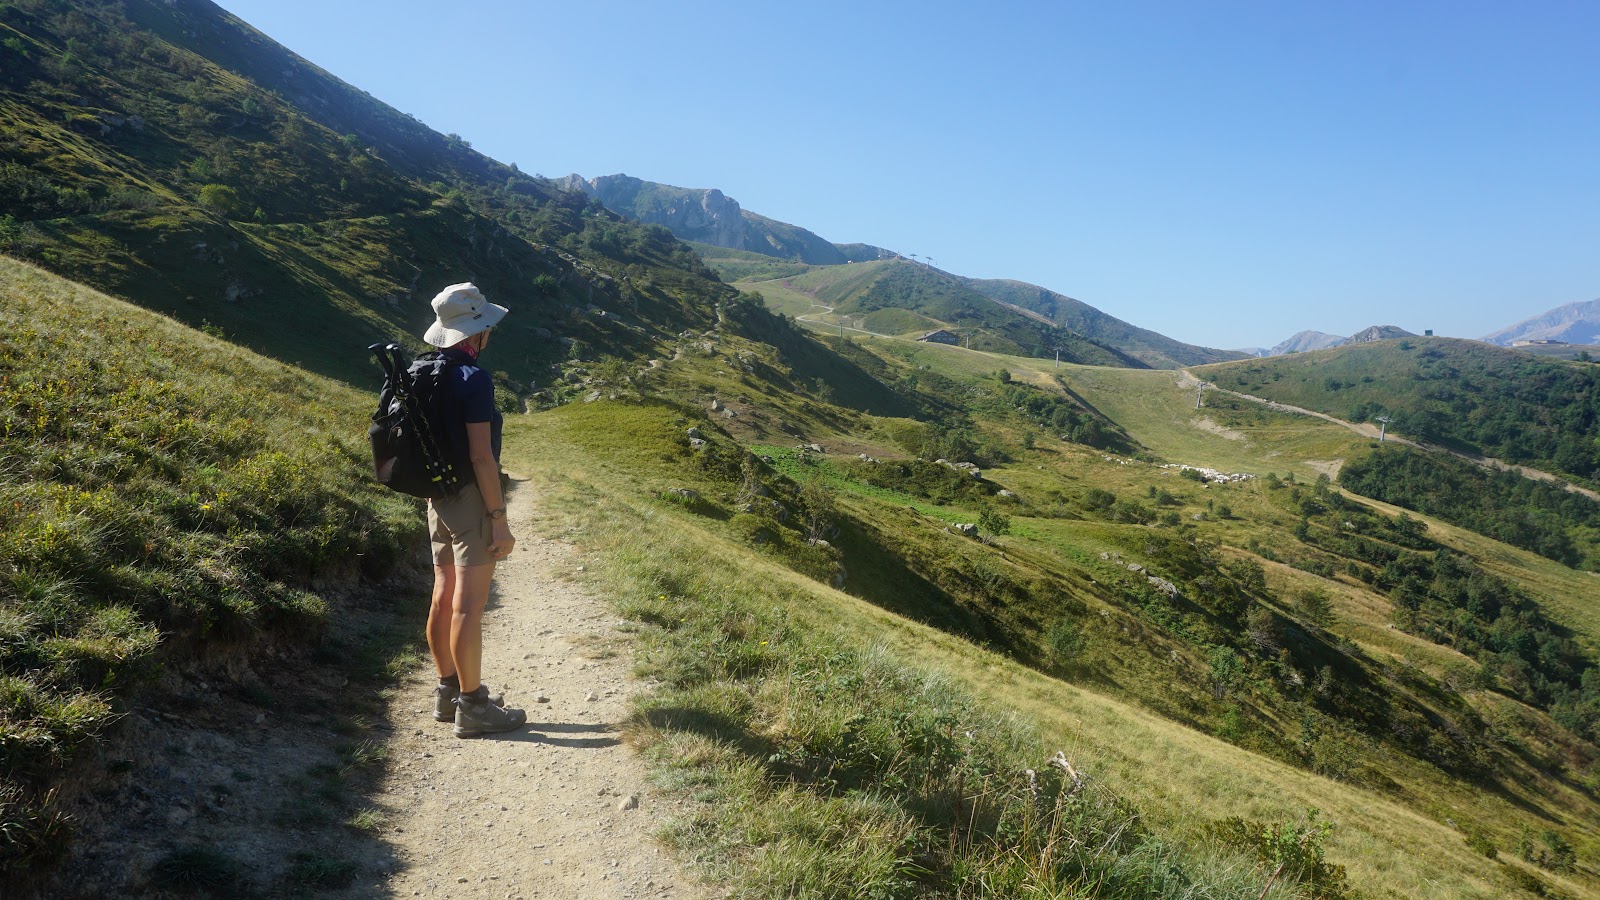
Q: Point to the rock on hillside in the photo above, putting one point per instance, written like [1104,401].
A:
[1575,323]
[711,217]
[708,216]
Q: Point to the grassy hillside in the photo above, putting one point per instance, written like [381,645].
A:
[738,265]
[167,495]
[1155,350]
[965,561]
[1536,515]
[1288,634]
[1045,618]
[1461,394]
[861,289]
[172,155]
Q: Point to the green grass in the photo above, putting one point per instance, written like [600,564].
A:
[1465,395]
[816,765]
[1158,410]
[903,563]
[166,490]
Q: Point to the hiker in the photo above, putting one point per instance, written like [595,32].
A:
[469,529]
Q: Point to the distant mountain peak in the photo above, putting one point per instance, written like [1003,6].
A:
[1303,341]
[709,216]
[1575,323]
[1378,333]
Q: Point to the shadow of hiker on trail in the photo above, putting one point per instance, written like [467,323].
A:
[539,733]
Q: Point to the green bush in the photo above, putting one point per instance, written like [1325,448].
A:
[219,198]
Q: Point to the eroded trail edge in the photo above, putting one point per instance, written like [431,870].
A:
[558,809]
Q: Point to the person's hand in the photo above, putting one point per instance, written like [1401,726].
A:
[501,543]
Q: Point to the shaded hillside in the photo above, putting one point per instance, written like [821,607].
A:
[172,154]
[170,502]
[864,289]
[1464,394]
[1155,350]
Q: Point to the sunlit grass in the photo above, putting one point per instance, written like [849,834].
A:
[1181,778]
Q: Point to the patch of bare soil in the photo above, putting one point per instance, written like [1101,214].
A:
[311,773]
[1328,467]
[1206,423]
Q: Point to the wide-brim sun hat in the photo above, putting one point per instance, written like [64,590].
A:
[460,311]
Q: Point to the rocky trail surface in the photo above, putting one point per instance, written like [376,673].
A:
[559,809]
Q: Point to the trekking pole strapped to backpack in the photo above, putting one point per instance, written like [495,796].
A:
[408,454]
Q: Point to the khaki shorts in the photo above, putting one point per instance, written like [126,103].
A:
[461,529]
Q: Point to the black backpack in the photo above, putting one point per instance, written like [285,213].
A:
[411,447]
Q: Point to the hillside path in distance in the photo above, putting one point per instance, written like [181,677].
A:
[559,809]
[1188,380]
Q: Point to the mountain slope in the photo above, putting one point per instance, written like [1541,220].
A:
[1575,323]
[874,288]
[1302,341]
[177,157]
[172,505]
[1155,350]
[1465,394]
[708,216]
[1201,650]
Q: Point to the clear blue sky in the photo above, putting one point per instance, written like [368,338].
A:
[1224,173]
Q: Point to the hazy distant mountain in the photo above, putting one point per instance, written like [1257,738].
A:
[1317,340]
[1306,340]
[1575,323]
[711,217]
[1378,333]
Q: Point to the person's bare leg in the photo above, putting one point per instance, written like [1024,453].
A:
[466,623]
[439,617]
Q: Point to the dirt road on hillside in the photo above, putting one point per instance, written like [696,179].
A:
[560,809]
[1188,381]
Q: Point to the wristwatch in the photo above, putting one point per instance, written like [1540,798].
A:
[497,513]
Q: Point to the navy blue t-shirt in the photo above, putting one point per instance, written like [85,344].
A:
[472,393]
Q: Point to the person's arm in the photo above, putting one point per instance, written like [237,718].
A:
[487,472]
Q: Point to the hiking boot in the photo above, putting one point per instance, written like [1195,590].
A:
[476,715]
[444,701]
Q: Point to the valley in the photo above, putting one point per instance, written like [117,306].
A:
[1041,616]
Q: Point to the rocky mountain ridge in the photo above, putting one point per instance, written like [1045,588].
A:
[1306,341]
[709,216]
[1574,323]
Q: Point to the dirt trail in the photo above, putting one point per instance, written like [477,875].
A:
[560,809]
